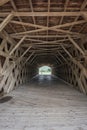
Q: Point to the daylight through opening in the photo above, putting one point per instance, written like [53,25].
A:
[45,70]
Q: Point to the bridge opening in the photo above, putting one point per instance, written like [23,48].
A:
[45,70]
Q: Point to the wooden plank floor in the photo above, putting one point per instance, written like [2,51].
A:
[46,103]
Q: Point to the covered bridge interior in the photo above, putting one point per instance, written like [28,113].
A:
[35,33]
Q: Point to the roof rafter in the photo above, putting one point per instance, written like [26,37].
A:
[57,26]
[6,21]
[27,14]
[2,2]
[45,29]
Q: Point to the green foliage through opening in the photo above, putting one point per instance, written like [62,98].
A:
[45,70]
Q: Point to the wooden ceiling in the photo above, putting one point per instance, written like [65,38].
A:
[45,25]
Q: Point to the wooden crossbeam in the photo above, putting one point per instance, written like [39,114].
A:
[25,51]
[40,36]
[17,45]
[30,62]
[62,56]
[78,64]
[27,14]
[45,29]
[15,9]
[69,24]
[6,21]
[67,52]
[85,16]
[43,49]
[59,59]
[83,5]
[76,45]
[48,16]
[31,6]
[2,44]
[6,36]
[45,42]
[75,61]
[39,26]
[29,57]
[45,36]
[65,7]
[27,32]
[2,2]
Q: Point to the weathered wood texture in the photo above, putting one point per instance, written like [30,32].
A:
[13,71]
[74,70]
[34,32]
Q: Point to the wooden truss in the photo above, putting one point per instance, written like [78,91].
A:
[27,35]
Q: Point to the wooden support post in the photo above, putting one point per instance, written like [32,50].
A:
[6,21]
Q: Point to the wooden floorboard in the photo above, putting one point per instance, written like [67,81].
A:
[46,103]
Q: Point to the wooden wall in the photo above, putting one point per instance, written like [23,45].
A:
[13,69]
[74,71]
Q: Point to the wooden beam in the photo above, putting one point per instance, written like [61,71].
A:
[62,56]
[48,16]
[17,45]
[27,14]
[29,57]
[58,59]
[85,16]
[69,24]
[31,6]
[39,26]
[27,32]
[6,36]
[45,29]
[67,52]
[75,61]
[40,36]
[76,45]
[6,21]
[2,2]
[46,51]
[65,8]
[32,59]
[37,41]
[15,9]
[48,13]
[2,44]
[25,51]
[84,70]
[83,5]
